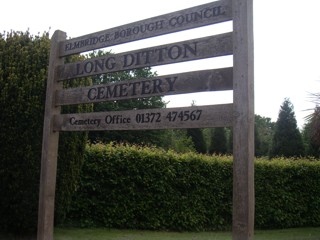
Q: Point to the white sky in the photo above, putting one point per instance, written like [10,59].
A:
[286,36]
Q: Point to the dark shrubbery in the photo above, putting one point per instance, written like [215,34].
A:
[23,76]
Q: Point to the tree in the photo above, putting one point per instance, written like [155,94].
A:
[218,144]
[314,119]
[23,74]
[311,145]
[264,130]
[311,133]
[257,141]
[153,137]
[287,140]
[178,141]
[197,138]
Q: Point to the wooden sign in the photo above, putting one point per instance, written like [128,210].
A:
[239,78]
[199,81]
[215,12]
[213,46]
[147,119]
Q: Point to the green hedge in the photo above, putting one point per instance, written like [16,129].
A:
[145,188]
[287,193]
[23,75]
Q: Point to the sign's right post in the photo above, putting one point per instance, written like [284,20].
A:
[243,125]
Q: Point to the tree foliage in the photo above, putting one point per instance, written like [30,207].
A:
[287,139]
[311,133]
[197,138]
[218,144]
[23,76]
[145,137]
[264,129]
[178,141]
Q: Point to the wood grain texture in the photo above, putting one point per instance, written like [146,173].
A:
[211,13]
[243,127]
[239,115]
[189,82]
[207,47]
[49,146]
[147,119]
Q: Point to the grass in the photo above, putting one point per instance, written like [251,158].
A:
[104,234]
[112,234]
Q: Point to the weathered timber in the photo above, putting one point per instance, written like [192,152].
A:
[199,81]
[198,16]
[167,118]
[49,146]
[239,115]
[207,47]
[243,126]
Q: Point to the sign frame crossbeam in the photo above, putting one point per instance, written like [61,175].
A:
[148,119]
[181,83]
[195,49]
[219,11]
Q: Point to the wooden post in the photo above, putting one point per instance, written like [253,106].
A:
[243,126]
[49,145]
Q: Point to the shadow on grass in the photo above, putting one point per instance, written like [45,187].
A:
[113,234]
[103,234]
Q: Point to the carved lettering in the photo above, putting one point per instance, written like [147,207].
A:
[84,122]
[171,82]
[131,60]
[212,46]
[180,20]
[110,63]
[157,86]
[206,116]
[145,87]
[121,90]
[134,87]
[173,53]
[143,28]
[89,41]
[117,119]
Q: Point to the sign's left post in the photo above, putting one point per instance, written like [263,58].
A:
[49,144]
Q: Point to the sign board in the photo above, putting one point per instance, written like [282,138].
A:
[146,119]
[239,78]
[201,48]
[199,81]
[198,16]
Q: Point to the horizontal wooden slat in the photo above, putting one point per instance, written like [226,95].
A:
[198,16]
[207,47]
[188,117]
[200,81]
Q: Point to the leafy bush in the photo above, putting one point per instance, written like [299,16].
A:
[23,76]
[287,193]
[145,188]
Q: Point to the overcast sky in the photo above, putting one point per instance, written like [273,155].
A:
[286,38]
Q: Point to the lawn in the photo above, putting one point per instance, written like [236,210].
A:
[112,234]
[103,234]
